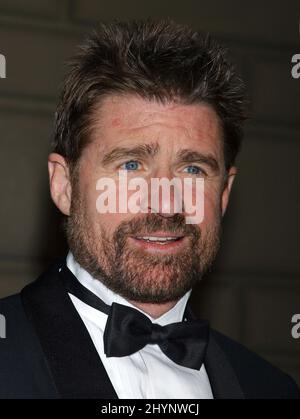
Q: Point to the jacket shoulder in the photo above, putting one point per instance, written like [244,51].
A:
[11,305]
[258,377]
[23,371]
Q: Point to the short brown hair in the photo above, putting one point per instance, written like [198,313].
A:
[156,60]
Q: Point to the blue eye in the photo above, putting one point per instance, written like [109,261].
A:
[131,165]
[194,170]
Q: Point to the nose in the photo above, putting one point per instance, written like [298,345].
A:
[165,194]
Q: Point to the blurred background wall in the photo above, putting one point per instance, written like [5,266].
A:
[254,288]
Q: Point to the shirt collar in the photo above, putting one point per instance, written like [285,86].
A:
[175,314]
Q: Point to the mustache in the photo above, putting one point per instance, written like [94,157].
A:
[152,223]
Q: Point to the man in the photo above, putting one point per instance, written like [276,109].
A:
[149,100]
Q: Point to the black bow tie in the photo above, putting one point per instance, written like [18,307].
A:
[128,330]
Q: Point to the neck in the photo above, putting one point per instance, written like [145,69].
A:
[154,310]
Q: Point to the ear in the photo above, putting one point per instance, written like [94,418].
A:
[227,187]
[60,185]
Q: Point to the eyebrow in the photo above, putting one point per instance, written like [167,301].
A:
[140,151]
[151,149]
[191,156]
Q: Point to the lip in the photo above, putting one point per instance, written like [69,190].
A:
[152,247]
[159,234]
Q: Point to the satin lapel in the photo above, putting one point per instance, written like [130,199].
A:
[223,380]
[76,367]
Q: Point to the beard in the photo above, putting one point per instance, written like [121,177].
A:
[134,273]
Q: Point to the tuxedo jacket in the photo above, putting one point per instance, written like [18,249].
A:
[48,353]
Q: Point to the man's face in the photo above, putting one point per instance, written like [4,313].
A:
[148,140]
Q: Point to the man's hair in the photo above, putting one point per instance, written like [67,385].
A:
[156,60]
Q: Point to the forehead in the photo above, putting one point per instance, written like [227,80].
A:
[122,119]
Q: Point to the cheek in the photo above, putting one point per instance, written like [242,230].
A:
[110,222]
[112,218]
[212,205]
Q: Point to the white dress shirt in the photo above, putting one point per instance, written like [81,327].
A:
[148,373]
